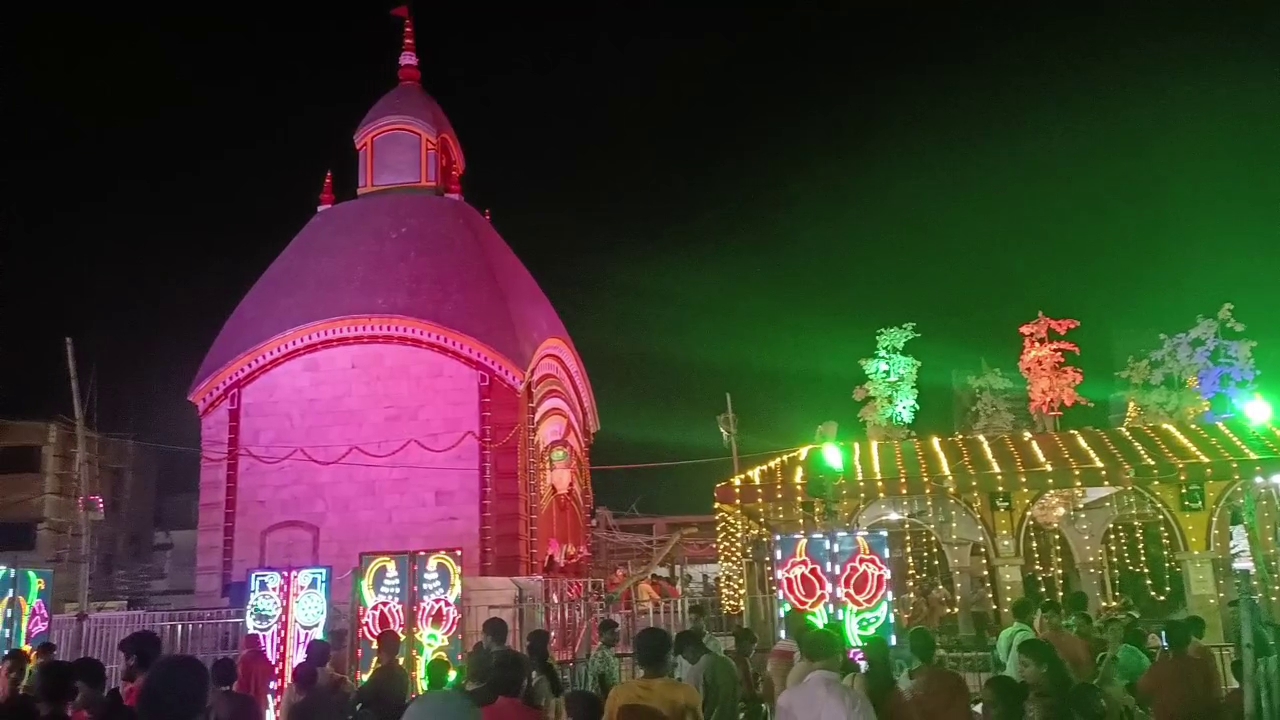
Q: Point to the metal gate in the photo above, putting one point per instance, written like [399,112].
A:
[206,634]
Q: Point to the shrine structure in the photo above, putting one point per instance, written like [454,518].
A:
[1156,509]
[396,381]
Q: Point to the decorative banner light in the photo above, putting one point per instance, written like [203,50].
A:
[384,600]
[841,575]
[416,594]
[25,597]
[438,621]
[286,609]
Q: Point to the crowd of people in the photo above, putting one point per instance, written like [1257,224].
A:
[1052,664]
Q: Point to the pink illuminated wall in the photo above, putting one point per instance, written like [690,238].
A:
[298,512]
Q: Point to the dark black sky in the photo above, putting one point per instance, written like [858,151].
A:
[715,200]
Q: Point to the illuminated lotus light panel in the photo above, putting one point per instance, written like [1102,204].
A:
[383,597]
[417,594]
[439,615]
[24,607]
[287,609]
[840,578]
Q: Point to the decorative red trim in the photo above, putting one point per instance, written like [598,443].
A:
[487,550]
[310,528]
[229,506]
[556,358]
[346,331]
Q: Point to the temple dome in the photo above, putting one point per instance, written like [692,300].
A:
[408,102]
[407,253]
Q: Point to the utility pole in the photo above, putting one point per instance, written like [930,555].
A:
[81,479]
[729,430]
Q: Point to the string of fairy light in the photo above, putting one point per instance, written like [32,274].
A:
[965,469]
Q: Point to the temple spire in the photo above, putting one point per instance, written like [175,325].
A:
[409,72]
[326,194]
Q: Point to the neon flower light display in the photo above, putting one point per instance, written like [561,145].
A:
[841,576]
[287,609]
[439,616]
[25,597]
[417,595]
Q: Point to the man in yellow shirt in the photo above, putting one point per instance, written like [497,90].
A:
[654,695]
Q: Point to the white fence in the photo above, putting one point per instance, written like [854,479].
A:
[206,634]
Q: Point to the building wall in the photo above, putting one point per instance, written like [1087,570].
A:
[299,510]
[118,470]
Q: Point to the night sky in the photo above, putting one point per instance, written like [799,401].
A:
[714,200]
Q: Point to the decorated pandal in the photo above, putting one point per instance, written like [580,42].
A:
[1142,511]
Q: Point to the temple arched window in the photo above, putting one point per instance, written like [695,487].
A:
[396,158]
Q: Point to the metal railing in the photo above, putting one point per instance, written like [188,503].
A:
[206,634]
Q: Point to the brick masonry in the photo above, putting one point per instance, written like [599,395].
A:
[339,397]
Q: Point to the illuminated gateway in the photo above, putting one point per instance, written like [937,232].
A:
[395,380]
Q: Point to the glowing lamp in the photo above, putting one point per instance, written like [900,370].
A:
[833,456]
[1257,410]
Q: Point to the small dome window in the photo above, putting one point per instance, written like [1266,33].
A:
[397,158]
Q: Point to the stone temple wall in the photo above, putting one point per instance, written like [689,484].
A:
[299,512]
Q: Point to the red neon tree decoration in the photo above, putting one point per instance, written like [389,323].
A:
[804,585]
[1051,383]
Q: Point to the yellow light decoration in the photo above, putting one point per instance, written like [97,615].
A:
[1035,448]
[1186,443]
[1146,457]
[1238,443]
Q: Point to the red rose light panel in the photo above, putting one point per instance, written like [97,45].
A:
[864,588]
[802,583]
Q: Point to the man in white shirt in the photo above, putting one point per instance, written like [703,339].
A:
[1024,613]
[821,695]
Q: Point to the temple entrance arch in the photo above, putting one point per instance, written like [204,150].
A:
[935,540]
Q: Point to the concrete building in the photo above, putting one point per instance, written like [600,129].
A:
[40,500]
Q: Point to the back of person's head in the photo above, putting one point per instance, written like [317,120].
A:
[1134,635]
[688,641]
[144,647]
[1178,635]
[45,651]
[91,673]
[744,637]
[1077,601]
[495,630]
[697,612]
[1023,609]
[583,705]
[319,653]
[438,670]
[922,643]
[1005,695]
[537,645]
[652,649]
[306,676]
[822,647]
[1237,670]
[223,672]
[388,643]
[1051,610]
[1087,702]
[177,688]
[1081,622]
[1196,626]
[55,682]
[879,675]
[510,673]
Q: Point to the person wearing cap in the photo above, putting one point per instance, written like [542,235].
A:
[603,670]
